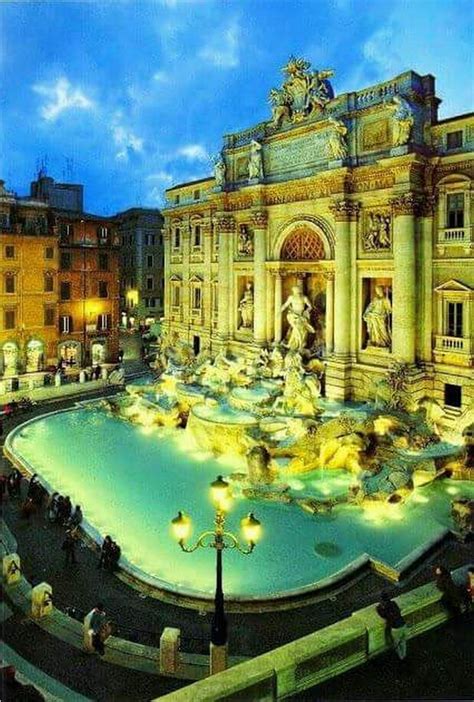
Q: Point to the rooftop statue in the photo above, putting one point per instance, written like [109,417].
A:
[303,92]
[403,120]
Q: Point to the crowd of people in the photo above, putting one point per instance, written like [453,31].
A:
[110,553]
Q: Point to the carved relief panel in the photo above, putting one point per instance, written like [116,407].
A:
[376,232]
[244,242]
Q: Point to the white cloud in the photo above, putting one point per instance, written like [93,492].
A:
[161,77]
[193,152]
[222,49]
[61,96]
[128,142]
[161,176]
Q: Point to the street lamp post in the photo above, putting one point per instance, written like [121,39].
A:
[219,539]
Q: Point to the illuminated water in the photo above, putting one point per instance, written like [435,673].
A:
[130,485]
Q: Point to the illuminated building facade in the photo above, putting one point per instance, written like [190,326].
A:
[363,203]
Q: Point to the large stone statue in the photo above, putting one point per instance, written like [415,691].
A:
[219,172]
[255,161]
[303,92]
[246,306]
[403,120]
[298,307]
[377,318]
[337,140]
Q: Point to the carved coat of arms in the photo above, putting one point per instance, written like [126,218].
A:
[303,92]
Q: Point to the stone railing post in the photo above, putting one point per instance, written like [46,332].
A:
[169,650]
[41,600]
[11,569]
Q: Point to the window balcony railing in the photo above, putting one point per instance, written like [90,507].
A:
[453,344]
[453,236]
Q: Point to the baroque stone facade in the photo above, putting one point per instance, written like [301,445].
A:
[364,203]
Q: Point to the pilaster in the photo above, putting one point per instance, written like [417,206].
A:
[259,219]
[225,225]
[405,207]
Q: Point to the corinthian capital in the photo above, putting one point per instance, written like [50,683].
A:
[345,210]
[259,218]
[225,222]
[406,204]
[428,205]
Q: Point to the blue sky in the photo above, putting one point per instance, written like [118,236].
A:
[136,95]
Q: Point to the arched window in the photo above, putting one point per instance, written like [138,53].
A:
[303,244]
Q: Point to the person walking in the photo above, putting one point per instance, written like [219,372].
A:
[389,610]
[76,518]
[69,548]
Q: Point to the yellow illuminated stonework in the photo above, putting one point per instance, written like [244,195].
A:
[363,202]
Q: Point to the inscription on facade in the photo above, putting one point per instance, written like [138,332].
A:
[298,154]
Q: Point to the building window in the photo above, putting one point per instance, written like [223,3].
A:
[454,311]
[177,238]
[103,262]
[455,210]
[65,262]
[65,291]
[176,200]
[66,232]
[149,261]
[197,235]
[49,252]
[197,194]
[452,395]
[65,324]
[9,251]
[48,282]
[196,297]
[150,282]
[9,283]
[454,140]
[104,322]
[4,220]
[175,296]
[103,288]
[102,233]
[9,319]
[49,316]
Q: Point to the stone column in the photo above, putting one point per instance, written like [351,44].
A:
[404,278]
[345,212]
[329,312]
[425,272]
[270,307]
[166,275]
[225,225]
[338,381]
[278,303]
[259,219]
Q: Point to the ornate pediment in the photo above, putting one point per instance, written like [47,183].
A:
[453,286]
[303,93]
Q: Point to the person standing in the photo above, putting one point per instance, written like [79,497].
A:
[454,598]
[105,553]
[97,620]
[69,548]
[389,610]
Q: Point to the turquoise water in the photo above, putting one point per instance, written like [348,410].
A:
[131,484]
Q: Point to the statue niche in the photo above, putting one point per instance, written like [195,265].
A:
[377,317]
[246,308]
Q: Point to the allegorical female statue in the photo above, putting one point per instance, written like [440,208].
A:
[255,160]
[246,307]
[298,307]
[337,140]
[403,120]
[219,172]
[377,318]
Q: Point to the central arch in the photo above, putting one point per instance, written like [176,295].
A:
[309,237]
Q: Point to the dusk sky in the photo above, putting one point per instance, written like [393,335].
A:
[131,97]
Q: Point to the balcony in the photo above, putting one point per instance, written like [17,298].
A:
[453,349]
[453,236]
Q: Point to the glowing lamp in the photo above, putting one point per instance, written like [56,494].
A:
[251,527]
[220,492]
[181,526]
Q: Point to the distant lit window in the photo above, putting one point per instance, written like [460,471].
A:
[454,319]
[197,194]
[49,316]
[150,282]
[149,261]
[175,296]
[196,297]
[49,252]
[9,319]
[48,282]
[9,251]
[65,260]
[455,210]
[65,290]
[454,140]
[9,281]
[177,238]
[103,288]
[197,235]
[65,324]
